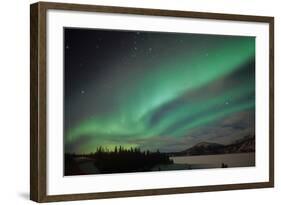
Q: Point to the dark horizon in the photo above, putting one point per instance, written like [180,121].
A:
[123,160]
[119,147]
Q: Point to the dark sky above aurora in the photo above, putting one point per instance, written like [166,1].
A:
[153,90]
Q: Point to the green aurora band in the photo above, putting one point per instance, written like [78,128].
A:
[140,101]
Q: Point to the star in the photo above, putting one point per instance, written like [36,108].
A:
[67,47]
[82,92]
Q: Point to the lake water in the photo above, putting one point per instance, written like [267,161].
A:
[87,166]
[214,161]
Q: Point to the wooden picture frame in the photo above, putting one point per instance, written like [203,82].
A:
[39,95]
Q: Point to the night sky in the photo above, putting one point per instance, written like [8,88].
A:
[156,90]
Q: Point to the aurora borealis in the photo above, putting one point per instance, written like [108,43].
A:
[156,90]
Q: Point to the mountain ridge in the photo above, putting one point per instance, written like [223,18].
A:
[245,144]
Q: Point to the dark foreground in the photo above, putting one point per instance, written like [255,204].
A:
[117,161]
[137,161]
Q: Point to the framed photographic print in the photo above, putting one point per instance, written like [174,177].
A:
[134,102]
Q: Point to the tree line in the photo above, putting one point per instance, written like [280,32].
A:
[122,159]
